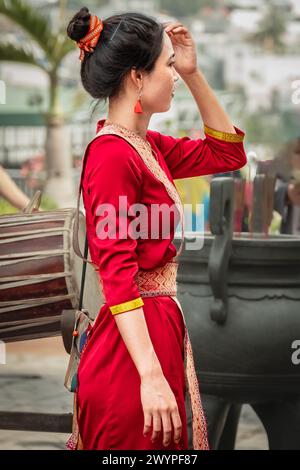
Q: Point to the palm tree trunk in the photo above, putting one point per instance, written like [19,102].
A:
[59,180]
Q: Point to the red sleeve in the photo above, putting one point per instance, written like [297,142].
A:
[219,152]
[112,171]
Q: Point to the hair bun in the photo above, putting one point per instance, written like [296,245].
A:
[79,24]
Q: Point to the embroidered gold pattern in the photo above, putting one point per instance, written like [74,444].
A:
[226,136]
[200,439]
[159,281]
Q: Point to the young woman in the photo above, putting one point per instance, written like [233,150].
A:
[138,362]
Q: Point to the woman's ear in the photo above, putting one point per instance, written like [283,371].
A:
[137,77]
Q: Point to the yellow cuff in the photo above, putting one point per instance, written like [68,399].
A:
[226,136]
[125,306]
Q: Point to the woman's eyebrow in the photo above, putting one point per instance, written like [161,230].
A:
[173,55]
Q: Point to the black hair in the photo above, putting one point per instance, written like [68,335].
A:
[128,40]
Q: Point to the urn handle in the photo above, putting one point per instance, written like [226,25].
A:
[221,224]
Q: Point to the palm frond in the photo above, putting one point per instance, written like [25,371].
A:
[32,22]
[63,46]
[15,53]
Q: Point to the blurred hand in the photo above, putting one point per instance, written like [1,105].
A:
[293,194]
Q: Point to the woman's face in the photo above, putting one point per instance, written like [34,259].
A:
[158,87]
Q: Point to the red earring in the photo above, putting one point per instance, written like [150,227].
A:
[138,106]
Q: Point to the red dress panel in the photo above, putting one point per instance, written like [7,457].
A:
[110,410]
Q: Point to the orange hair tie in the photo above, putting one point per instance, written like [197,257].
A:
[89,41]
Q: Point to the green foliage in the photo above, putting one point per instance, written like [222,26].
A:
[52,41]
[15,53]
[92,4]
[47,204]
[180,8]
[54,44]
[271,29]
[31,21]
[275,224]
[267,127]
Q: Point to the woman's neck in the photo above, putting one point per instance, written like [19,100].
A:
[134,122]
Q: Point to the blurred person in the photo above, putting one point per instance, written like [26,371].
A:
[287,192]
[133,371]
[32,169]
[285,168]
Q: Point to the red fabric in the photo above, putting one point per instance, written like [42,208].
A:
[113,168]
[109,385]
[111,413]
[186,157]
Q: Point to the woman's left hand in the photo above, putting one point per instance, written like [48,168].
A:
[184,47]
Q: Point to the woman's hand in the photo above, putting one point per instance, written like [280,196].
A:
[184,47]
[159,404]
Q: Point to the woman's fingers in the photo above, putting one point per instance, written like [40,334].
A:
[156,426]
[175,30]
[147,423]
[167,428]
[166,420]
[172,31]
[171,26]
[177,424]
[179,28]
